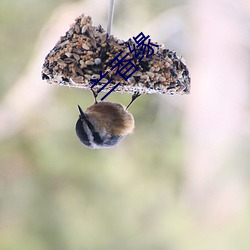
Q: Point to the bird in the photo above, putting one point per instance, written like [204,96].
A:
[104,124]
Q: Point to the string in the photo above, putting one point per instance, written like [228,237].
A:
[110,15]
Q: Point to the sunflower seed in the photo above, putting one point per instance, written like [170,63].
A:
[88,62]
[85,46]
[78,79]
[69,60]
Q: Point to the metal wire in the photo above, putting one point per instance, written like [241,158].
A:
[110,15]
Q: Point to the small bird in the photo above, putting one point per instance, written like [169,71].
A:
[104,125]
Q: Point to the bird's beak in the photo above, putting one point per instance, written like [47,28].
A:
[82,115]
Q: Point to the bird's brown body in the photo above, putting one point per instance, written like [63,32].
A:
[104,125]
[111,117]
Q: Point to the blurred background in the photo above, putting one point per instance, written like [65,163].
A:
[180,182]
